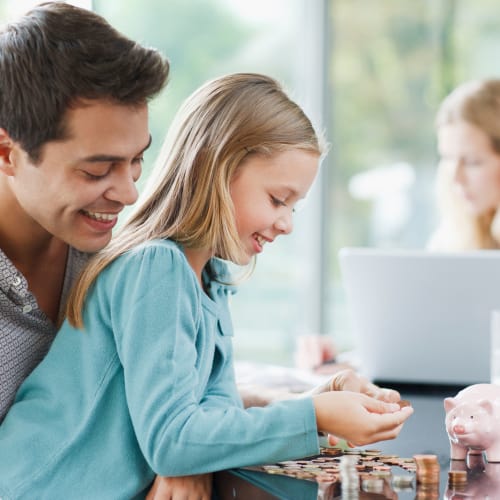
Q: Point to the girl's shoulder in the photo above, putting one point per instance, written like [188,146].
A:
[157,247]
[158,253]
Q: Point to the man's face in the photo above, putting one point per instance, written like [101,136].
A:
[82,183]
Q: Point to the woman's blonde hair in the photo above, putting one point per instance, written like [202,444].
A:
[478,103]
[187,197]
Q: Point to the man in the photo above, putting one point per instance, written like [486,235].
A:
[73,129]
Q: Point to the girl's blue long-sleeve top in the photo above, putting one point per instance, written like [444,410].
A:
[146,388]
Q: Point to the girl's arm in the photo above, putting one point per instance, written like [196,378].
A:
[184,423]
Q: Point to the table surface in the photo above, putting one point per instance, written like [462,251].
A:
[423,433]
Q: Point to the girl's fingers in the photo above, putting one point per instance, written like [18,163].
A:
[388,421]
[388,395]
[378,406]
[384,435]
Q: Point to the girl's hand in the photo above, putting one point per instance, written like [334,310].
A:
[196,487]
[358,418]
[349,380]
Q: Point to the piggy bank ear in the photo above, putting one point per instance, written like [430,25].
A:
[486,404]
[449,404]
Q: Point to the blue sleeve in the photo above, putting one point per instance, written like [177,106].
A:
[183,424]
[221,388]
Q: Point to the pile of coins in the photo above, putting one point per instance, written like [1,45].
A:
[401,483]
[351,470]
[427,476]
[457,479]
[427,469]
[349,477]
[358,470]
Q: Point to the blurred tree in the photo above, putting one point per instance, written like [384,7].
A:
[197,37]
[391,64]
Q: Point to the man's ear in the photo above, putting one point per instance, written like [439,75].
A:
[6,149]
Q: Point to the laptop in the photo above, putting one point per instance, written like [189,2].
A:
[421,317]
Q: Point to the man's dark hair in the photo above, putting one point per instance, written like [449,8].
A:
[58,54]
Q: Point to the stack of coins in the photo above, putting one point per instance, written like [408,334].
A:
[373,485]
[426,492]
[457,479]
[400,482]
[349,477]
[427,469]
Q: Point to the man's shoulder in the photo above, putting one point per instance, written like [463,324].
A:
[77,259]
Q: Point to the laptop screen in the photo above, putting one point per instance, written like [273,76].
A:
[420,316]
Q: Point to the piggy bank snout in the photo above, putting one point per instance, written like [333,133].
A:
[458,429]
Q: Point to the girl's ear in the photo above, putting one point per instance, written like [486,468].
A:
[6,148]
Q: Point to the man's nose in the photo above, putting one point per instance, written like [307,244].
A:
[123,188]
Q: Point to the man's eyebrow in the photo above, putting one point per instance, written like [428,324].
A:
[112,158]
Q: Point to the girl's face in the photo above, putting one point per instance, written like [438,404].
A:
[264,191]
[474,166]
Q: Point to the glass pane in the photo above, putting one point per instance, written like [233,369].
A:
[391,64]
[204,39]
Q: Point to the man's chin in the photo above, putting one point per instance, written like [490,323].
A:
[91,245]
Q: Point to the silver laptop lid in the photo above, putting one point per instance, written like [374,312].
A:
[422,317]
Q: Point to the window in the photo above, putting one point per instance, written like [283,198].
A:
[390,65]
[204,39]
[371,73]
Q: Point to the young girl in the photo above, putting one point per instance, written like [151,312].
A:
[140,379]
[468,182]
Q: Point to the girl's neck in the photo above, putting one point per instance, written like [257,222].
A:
[197,259]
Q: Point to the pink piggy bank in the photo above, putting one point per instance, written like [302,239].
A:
[473,422]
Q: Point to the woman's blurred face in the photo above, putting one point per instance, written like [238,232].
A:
[473,164]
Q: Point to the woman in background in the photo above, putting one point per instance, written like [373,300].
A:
[468,181]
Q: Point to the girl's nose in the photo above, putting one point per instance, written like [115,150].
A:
[284,224]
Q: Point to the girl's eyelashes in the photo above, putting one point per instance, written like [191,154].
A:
[277,202]
[282,203]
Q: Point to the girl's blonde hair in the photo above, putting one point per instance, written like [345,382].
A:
[187,197]
[478,103]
